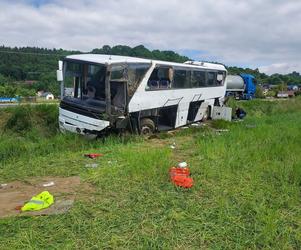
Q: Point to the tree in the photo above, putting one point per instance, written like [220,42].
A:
[259,93]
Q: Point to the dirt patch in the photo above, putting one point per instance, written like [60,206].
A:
[64,190]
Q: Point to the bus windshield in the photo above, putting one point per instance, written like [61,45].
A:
[84,81]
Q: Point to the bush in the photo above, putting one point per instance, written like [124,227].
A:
[40,119]
[20,121]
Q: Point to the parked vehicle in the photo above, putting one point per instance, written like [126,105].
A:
[241,86]
[101,92]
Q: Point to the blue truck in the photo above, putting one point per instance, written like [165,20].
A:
[241,86]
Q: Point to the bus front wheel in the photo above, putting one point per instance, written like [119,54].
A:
[147,127]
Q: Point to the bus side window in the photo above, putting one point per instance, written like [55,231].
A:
[220,78]
[160,78]
[198,79]
[153,81]
[211,78]
[182,79]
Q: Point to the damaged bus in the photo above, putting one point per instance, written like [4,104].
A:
[102,92]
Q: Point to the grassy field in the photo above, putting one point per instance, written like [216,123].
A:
[246,193]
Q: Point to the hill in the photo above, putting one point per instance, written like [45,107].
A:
[25,70]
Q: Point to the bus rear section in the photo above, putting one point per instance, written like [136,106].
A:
[174,95]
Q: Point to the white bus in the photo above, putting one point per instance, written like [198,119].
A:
[101,92]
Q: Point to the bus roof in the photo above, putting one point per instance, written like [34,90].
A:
[113,59]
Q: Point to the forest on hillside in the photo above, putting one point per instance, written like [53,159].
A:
[23,71]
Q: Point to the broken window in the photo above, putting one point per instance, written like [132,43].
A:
[136,73]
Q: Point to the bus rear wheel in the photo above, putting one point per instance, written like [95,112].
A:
[147,127]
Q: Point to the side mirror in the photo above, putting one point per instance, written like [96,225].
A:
[59,75]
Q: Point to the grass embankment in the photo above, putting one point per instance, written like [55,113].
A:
[246,193]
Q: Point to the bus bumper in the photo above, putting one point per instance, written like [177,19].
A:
[80,124]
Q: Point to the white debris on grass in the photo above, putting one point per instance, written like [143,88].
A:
[183,164]
[91,165]
[173,145]
[49,184]
[222,130]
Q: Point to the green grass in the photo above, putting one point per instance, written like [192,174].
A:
[246,193]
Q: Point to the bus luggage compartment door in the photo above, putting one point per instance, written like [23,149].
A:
[182,114]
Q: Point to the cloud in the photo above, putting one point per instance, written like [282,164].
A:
[252,33]
[281,68]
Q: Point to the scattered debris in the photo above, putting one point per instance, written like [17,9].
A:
[93,165]
[183,181]
[180,175]
[18,208]
[222,130]
[184,127]
[3,185]
[173,145]
[182,165]
[93,156]
[237,120]
[39,202]
[195,124]
[240,113]
[172,132]
[49,184]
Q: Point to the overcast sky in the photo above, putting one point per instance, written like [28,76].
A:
[254,33]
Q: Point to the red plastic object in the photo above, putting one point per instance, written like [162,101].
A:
[179,171]
[182,181]
[93,156]
[180,177]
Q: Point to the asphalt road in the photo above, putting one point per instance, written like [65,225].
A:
[6,105]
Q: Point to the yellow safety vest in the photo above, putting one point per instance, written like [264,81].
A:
[38,202]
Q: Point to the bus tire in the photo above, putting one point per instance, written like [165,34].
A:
[147,126]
